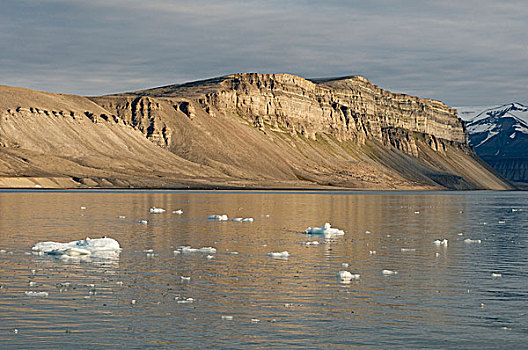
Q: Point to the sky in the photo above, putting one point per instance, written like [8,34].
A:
[463,52]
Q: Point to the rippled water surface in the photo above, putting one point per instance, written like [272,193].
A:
[441,297]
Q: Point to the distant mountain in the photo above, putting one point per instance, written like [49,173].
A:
[500,137]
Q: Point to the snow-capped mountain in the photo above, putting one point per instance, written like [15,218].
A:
[500,137]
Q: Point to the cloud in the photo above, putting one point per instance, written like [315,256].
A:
[461,52]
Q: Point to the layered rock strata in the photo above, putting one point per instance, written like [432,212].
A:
[247,130]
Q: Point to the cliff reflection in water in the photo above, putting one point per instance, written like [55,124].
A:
[280,302]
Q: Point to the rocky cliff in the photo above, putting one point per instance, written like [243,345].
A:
[243,130]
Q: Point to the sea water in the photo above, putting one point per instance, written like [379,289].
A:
[469,294]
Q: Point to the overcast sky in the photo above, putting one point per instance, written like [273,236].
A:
[463,52]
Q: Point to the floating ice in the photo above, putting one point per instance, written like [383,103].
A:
[36,294]
[99,247]
[237,219]
[325,230]
[184,300]
[83,208]
[255,320]
[187,249]
[372,252]
[310,243]
[121,217]
[502,222]
[346,276]
[248,220]
[144,222]
[282,255]
[179,211]
[133,301]
[209,257]
[155,210]
[417,212]
[468,241]
[218,217]
[229,318]
[408,249]
[441,242]
[496,275]
[344,264]
[389,272]
[185,278]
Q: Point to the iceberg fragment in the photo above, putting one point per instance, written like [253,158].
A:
[155,210]
[327,230]
[347,276]
[99,247]
[279,255]
[218,217]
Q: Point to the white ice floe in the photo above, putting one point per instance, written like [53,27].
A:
[248,220]
[83,208]
[218,217]
[502,222]
[389,272]
[188,249]
[227,317]
[469,241]
[372,252]
[441,242]
[121,217]
[144,222]
[345,264]
[209,257]
[496,275]
[185,278]
[237,219]
[99,247]
[184,300]
[279,255]
[179,211]
[407,250]
[310,243]
[325,230]
[155,210]
[36,294]
[346,276]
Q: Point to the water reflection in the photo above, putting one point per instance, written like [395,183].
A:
[298,301]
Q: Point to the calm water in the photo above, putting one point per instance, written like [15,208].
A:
[442,297]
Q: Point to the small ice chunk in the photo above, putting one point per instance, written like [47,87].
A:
[514,210]
[227,317]
[265,216]
[184,300]
[389,272]
[83,208]
[122,217]
[217,217]
[325,230]
[247,220]
[408,250]
[133,301]
[367,232]
[255,320]
[372,252]
[440,242]
[417,212]
[148,251]
[209,257]
[155,210]
[502,222]
[345,276]
[310,243]
[237,219]
[144,222]
[179,211]
[189,249]
[469,241]
[496,275]
[36,294]
[185,278]
[282,255]
[344,264]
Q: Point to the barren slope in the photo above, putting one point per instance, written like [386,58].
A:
[244,130]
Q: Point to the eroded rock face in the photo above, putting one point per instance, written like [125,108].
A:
[242,130]
[349,109]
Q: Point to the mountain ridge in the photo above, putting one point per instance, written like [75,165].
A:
[244,130]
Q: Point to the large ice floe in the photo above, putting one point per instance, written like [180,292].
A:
[326,230]
[96,247]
